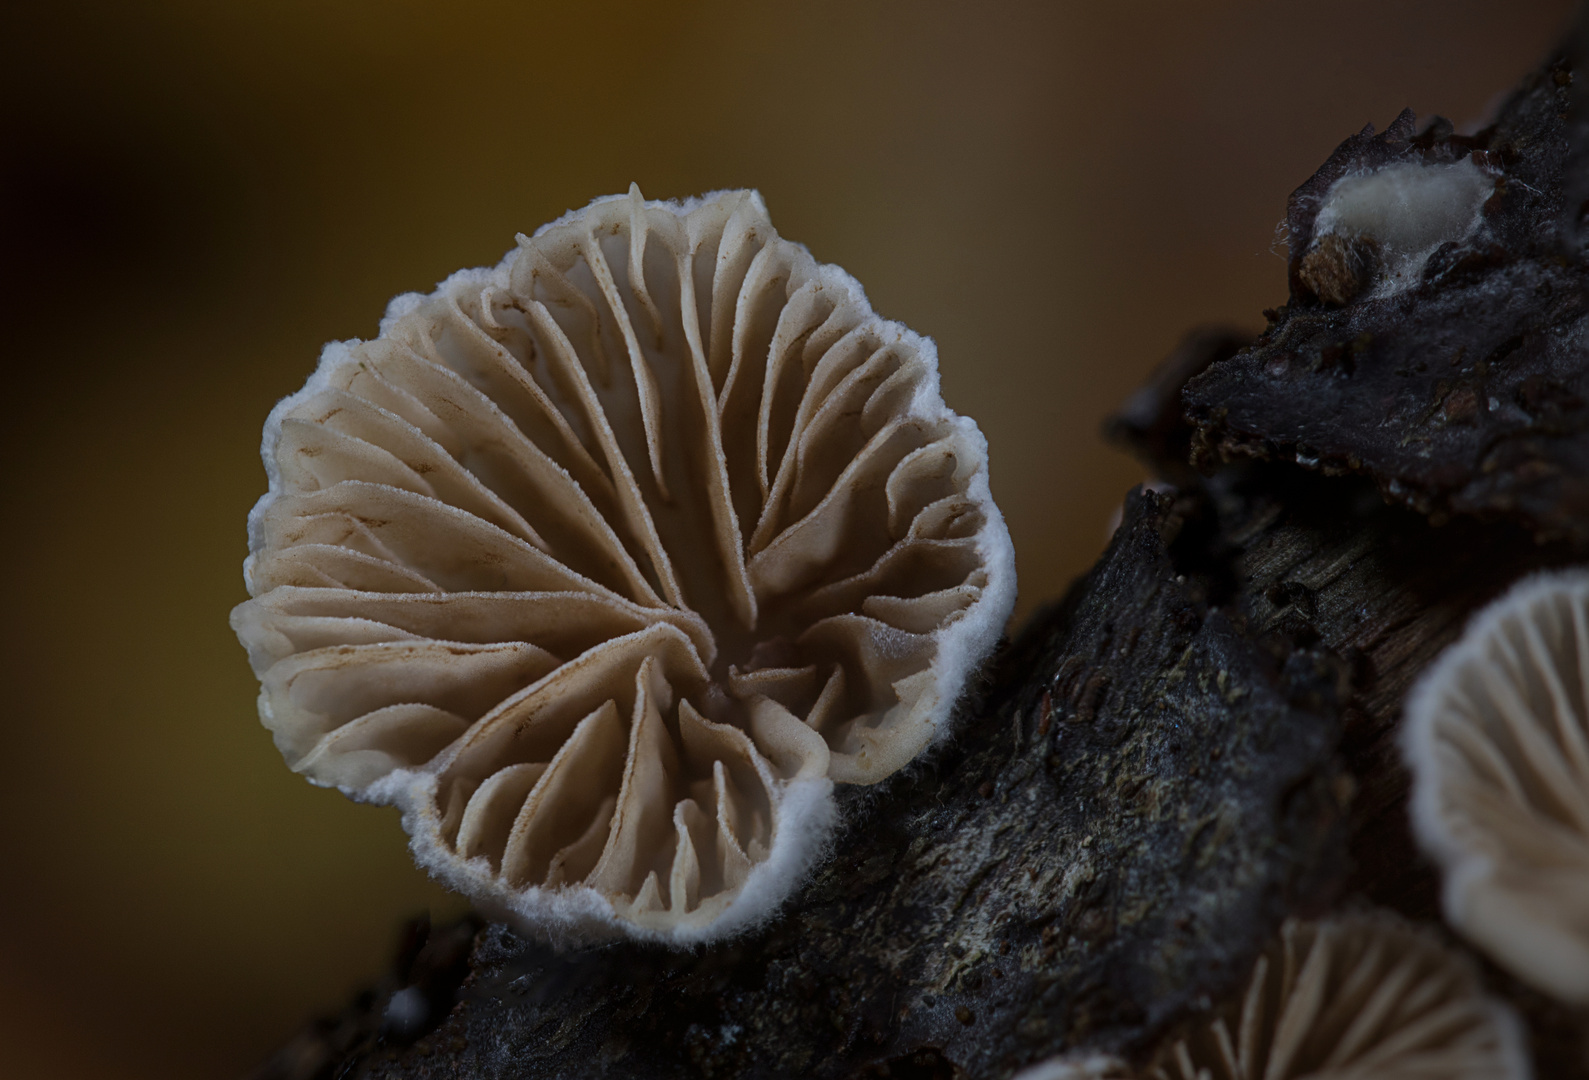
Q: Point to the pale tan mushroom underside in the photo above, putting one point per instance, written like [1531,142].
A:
[590,559]
[1361,997]
[1498,741]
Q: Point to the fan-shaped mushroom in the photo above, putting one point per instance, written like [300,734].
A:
[1497,738]
[604,564]
[1363,996]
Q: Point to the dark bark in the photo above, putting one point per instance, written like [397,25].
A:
[1465,392]
[1196,742]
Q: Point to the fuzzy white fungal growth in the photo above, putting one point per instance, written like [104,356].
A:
[606,563]
[1407,209]
[1497,738]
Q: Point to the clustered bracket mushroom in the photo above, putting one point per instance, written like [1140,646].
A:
[606,563]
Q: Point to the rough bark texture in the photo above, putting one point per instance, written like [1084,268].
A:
[1196,742]
[1466,392]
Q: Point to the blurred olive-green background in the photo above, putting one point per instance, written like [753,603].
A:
[194,196]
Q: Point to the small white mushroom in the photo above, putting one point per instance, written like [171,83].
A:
[1497,738]
[1364,996]
[604,564]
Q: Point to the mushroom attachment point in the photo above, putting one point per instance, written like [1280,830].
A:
[1497,738]
[606,563]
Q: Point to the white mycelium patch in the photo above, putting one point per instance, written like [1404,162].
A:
[1408,209]
[606,563]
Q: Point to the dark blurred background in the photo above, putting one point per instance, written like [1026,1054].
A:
[195,195]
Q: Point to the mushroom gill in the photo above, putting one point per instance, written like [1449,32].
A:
[1364,996]
[1497,738]
[604,564]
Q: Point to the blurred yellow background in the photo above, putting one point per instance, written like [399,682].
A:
[196,195]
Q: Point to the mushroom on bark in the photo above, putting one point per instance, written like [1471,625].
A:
[1497,739]
[606,563]
[1363,995]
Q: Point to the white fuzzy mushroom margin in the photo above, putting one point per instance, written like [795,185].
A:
[806,813]
[575,915]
